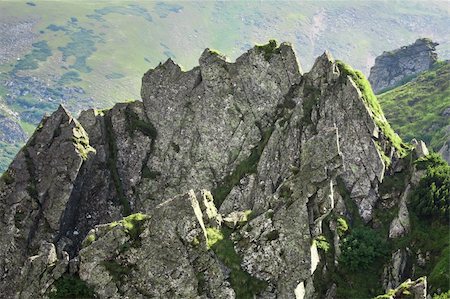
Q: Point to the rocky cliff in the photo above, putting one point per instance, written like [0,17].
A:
[230,180]
[396,67]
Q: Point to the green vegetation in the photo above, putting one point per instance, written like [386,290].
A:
[374,107]
[402,291]
[322,243]
[7,153]
[342,226]
[432,196]
[430,236]
[361,248]
[133,224]
[440,276]
[69,286]
[81,143]
[40,52]
[268,49]
[81,48]
[416,109]
[89,240]
[396,182]
[245,286]
[432,160]
[246,167]
[445,295]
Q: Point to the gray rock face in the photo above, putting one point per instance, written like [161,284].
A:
[397,66]
[35,190]
[279,150]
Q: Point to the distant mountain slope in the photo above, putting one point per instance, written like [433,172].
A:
[421,108]
[84,54]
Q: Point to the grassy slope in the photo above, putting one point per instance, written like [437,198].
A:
[116,42]
[415,110]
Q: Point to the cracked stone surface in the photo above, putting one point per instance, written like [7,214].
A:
[258,133]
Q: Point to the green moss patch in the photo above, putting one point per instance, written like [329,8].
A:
[245,286]
[133,224]
[372,103]
[268,49]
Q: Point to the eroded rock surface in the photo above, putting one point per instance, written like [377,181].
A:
[395,67]
[280,151]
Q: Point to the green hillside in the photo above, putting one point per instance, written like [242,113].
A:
[84,54]
[421,108]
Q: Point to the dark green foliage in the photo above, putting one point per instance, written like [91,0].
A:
[440,275]
[432,160]
[40,52]
[268,49]
[431,236]
[374,106]
[69,286]
[416,109]
[432,195]
[244,168]
[245,286]
[361,248]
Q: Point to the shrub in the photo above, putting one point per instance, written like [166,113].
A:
[431,196]
[342,226]
[361,247]
[71,287]
[322,243]
[445,295]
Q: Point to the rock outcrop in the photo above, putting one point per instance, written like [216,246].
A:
[283,153]
[396,67]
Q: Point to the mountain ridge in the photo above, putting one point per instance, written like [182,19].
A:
[285,155]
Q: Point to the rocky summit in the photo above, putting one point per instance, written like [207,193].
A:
[394,68]
[242,179]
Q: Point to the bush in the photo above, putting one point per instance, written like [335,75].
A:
[71,287]
[322,243]
[431,196]
[342,226]
[361,248]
